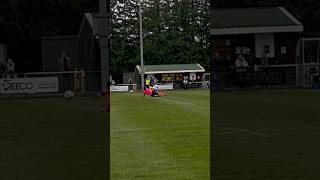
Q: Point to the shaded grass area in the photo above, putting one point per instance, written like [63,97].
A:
[160,138]
[152,138]
[52,138]
[290,119]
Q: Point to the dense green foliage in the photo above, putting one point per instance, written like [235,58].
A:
[175,31]
[24,22]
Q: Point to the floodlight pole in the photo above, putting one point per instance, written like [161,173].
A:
[103,29]
[141,47]
[104,55]
[303,64]
[103,34]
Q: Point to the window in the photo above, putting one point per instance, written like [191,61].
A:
[165,77]
[178,77]
[168,77]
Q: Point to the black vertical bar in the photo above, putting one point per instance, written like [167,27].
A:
[212,103]
[108,132]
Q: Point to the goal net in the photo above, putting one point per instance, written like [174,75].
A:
[308,63]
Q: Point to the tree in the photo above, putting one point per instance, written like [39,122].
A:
[24,22]
[174,31]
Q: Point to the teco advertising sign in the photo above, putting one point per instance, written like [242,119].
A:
[29,85]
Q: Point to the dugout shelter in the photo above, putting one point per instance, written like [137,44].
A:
[173,73]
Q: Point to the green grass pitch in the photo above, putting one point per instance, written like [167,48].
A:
[151,138]
[268,134]
[261,134]
[51,138]
[160,137]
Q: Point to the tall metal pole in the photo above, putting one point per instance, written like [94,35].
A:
[103,43]
[303,65]
[141,47]
[105,76]
[104,24]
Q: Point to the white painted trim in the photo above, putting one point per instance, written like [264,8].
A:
[89,17]
[166,72]
[264,39]
[174,71]
[280,65]
[289,15]
[311,39]
[256,30]
[200,66]
[52,73]
[291,65]
[138,67]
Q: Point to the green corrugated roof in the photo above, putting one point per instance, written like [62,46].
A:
[172,67]
[251,17]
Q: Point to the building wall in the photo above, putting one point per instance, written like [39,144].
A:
[282,47]
[82,48]
[285,47]
[89,61]
[229,47]
[52,48]
[3,53]
[127,77]
[265,44]
[86,45]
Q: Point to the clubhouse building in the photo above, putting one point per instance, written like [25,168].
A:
[255,32]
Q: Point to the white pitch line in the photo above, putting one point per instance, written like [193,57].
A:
[173,101]
[225,133]
[132,129]
[225,128]
[179,102]
[245,131]
[141,129]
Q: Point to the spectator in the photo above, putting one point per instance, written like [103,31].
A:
[222,71]
[218,63]
[264,60]
[64,65]
[249,57]
[11,68]
[2,70]
[256,68]
[64,62]
[130,81]
[241,64]
[185,83]
[265,70]
[313,74]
